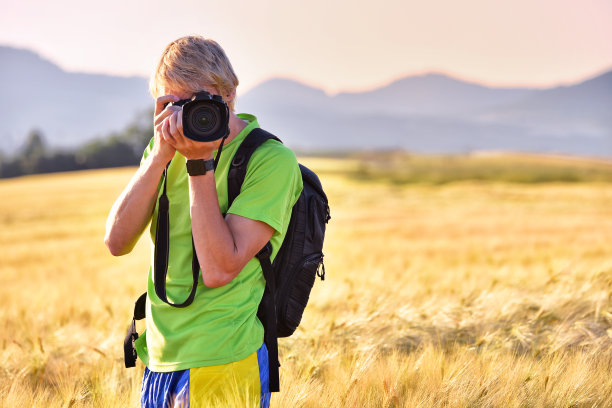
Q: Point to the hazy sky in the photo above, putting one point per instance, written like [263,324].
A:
[333,44]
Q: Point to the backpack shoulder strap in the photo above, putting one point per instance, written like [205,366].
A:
[267,308]
[238,167]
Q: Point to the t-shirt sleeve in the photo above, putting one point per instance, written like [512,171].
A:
[145,154]
[147,151]
[271,187]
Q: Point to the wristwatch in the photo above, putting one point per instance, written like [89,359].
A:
[199,167]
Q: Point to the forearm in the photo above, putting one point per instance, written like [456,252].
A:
[132,211]
[216,248]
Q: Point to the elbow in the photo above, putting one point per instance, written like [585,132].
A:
[216,279]
[114,247]
[214,283]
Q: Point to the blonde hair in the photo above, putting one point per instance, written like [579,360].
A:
[192,62]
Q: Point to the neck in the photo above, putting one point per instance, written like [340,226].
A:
[236,125]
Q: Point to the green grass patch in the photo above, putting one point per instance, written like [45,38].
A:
[402,168]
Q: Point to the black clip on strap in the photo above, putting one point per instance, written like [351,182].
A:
[129,350]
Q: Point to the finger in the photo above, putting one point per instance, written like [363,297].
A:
[179,123]
[172,122]
[166,133]
[160,103]
[168,110]
[159,128]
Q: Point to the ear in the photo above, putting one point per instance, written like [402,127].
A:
[230,96]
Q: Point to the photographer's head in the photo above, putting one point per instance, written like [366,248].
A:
[192,64]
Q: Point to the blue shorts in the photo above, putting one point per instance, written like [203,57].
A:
[243,383]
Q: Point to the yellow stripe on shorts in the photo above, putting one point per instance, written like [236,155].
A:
[229,385]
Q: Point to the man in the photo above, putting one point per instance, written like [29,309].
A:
[212,351]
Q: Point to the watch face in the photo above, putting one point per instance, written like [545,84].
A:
[199,167]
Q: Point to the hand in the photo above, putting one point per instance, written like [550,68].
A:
[161,148]
[172,133]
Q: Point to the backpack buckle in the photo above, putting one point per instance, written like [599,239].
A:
[238,160]
[321,270]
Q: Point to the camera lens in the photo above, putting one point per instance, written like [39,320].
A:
[204,120]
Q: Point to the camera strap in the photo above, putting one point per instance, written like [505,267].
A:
[220,150]
[162,249]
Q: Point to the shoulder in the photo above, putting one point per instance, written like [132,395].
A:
[273,154]
[273,150]
[277,163]
[271,186]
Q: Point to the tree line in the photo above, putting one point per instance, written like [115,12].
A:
[118,149]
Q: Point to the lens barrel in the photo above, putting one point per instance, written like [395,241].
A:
[205,117]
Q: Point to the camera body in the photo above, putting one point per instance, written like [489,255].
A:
[205,117]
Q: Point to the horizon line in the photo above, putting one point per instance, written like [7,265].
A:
[435,71]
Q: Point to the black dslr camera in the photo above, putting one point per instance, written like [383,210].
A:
[205,117]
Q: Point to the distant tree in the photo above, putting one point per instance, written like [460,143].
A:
[112,152]
[32,152]
[117,149]
[34,145]
[58,161]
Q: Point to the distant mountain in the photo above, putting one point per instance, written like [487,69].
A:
[286,92]
[430,94]
[582,109]
[423,113]
[69,108]
[439,114]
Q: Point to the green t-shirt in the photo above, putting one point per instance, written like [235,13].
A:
[221,324]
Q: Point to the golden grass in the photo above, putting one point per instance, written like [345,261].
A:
[458,295]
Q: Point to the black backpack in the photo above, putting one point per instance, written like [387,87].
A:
[289,279]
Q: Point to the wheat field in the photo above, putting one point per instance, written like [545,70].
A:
[463,294]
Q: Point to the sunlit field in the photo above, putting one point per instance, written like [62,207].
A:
[438,293]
